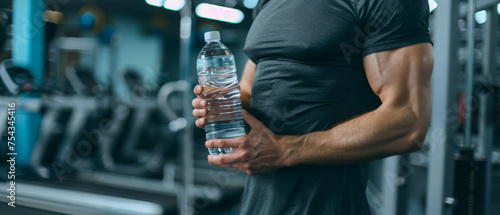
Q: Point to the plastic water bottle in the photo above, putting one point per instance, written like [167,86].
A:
[217,73]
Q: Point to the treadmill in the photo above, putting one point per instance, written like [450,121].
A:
[49,196]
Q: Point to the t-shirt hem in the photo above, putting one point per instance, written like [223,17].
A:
[394,44]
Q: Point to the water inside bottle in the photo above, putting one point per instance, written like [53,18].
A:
[223,121]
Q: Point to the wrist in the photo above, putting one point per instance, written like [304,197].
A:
[290,150]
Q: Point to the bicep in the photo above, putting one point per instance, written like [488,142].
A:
[401,76]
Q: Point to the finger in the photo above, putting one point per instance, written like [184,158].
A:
[222,143]
[223,160]
[236,166]
[198,89]
[198,113]
[199,103]
[200,123]
[232,166]
[261,170]
[251,120]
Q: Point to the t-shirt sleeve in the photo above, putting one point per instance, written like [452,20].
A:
[391,24]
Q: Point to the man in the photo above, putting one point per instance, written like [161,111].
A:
[331,84]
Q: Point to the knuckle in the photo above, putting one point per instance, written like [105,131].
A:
[221,160]
[244,142]
[250,172]
[245,155]
[211,144]
[246,166]
[215,161]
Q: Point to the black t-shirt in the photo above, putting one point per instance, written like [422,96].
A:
[310,77]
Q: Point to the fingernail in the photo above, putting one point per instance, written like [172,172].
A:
[198,89]
[202,103]
[202,111]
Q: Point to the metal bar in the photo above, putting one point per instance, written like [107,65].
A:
[27,130]
[78,202]
[146,185]
[27,52]
[28,36]
[487,99]
[483,4]
[389,185]
[3,118]
[76,44]
[75,125]
[440,177]
[186,197]
[469,87]
[140,120]
[49,124]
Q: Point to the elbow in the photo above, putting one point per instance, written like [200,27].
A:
[417,132]
[416,140]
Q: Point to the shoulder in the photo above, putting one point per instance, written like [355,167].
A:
[259,7]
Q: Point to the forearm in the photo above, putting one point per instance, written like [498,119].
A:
[245,98]
[246,84]
[374,135]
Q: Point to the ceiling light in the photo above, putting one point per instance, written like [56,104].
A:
[219,13]
[174,4]
[156,3]
[481,16]
[250,4]
[432,5]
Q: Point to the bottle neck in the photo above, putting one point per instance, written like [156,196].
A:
[213,41]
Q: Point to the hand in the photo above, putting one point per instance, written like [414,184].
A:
[200,107]
[258,152]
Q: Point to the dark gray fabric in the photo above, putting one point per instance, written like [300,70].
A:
[310,77]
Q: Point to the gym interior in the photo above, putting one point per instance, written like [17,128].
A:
[96,114]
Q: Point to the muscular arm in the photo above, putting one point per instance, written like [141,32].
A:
[401,78]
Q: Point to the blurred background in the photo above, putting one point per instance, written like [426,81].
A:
[102,93]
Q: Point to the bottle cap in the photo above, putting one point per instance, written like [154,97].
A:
[212,35]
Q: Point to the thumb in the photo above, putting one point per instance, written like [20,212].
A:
[251,120]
